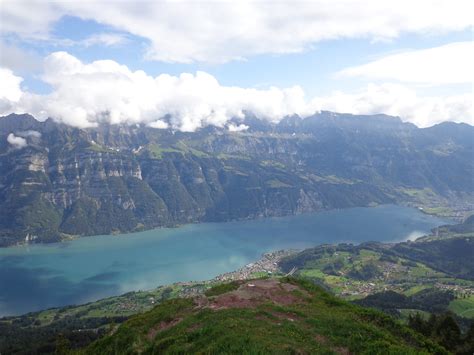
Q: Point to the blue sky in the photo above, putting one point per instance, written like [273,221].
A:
[281,51]
[312,69]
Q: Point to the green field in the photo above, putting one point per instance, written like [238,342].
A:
[463,307]
[358,272]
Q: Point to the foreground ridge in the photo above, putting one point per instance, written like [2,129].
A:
[284,315]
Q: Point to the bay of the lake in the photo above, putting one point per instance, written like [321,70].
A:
[34,277]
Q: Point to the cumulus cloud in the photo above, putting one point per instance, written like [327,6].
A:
[104,91]
[10,90]
[16,142]
[9,85]
[448,64]
[402,101]
[86,94]
[219,31]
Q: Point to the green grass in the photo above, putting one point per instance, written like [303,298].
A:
[419,193]
[333,179]
[317,324]
[428,200]
[422,270]
[415,289]
[100,149]
[404,313]
[275,184]
[463,307]
[225,156]
[313,273]
[272,163]
[438,211]
[157,152]
[46,317]
[125,305]
[258,275]
[339,270]
[222,288]
[182,146]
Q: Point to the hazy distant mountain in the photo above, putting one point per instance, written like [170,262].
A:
[58,180]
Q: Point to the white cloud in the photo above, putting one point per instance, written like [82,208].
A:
[402,101]
[97,39]
[16,142]
[105,39]
[237,128]
[160,124]
[86,94]
[448,64]
[28,19]
[18,59]
[10,90]
[219,31]
[9,85]
[29,133]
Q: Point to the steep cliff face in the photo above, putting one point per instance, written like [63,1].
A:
[65,180]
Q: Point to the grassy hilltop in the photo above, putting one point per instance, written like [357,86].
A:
[263,316]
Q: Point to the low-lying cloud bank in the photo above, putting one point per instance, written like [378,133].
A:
[399,100]
[86,94]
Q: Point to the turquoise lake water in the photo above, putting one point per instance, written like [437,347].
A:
[49,275]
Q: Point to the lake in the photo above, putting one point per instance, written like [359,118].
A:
[41,276]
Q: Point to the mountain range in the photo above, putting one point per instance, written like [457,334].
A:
[59,181]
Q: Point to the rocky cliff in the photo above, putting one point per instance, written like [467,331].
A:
[57,180]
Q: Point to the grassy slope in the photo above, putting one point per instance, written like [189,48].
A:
[118,306]
[341,268]
[38,332]
[313,322]
[464,307]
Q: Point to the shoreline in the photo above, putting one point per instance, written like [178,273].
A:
[267,262]
[70,237]
[266,265]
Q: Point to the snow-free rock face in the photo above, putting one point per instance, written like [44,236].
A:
[127,178]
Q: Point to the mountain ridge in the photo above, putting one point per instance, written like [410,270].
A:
[108,179]
[265,316]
